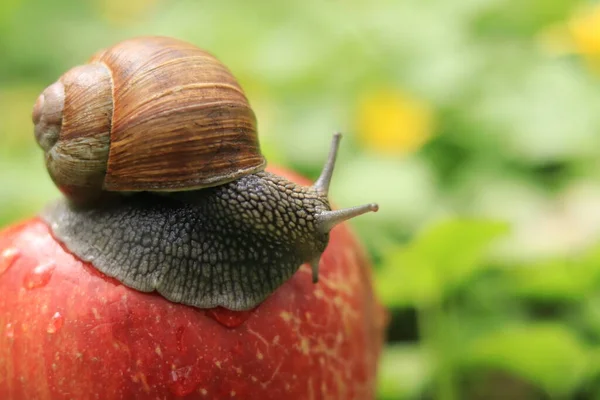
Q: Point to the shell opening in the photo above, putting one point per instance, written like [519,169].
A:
[47,115]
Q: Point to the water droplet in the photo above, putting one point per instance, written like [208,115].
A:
[39,276]
[56,323]
[182,381]
[229,318]
[9,331]
[7,258]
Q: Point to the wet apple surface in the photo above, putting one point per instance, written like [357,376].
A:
[69,332]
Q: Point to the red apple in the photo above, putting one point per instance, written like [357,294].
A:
[69,332]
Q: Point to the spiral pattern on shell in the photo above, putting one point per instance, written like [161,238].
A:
[148,114]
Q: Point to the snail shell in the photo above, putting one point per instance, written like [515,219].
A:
[148,114]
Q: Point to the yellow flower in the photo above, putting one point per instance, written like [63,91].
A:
[579,35]
[391,122]
[584,28]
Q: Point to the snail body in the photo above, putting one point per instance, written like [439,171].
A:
[155,147]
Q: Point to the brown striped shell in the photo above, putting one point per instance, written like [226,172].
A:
[148,114]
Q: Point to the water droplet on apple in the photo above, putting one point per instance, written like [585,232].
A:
[39,276]
[7,258]
[228,318]
[182,381]
[9,331]
[56,323]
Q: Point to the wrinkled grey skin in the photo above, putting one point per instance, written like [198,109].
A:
[229,246]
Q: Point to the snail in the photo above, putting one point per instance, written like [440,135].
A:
[155,147]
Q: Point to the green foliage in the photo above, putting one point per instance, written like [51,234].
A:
[440,259]
[553,280]
[550,355]
[447,265]
[503,17]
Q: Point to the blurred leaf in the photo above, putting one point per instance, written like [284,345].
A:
[403,372]
[589,262]
[406,278]
[7,7]
[443,256]
[456,247]
[590,320]
[572,278]
[553,279]
[550,355]
[520,18]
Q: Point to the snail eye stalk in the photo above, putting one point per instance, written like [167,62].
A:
[326,220]
[322,184]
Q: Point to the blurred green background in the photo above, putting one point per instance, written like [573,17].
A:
[474,123]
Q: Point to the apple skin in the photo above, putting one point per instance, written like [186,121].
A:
[69,332]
